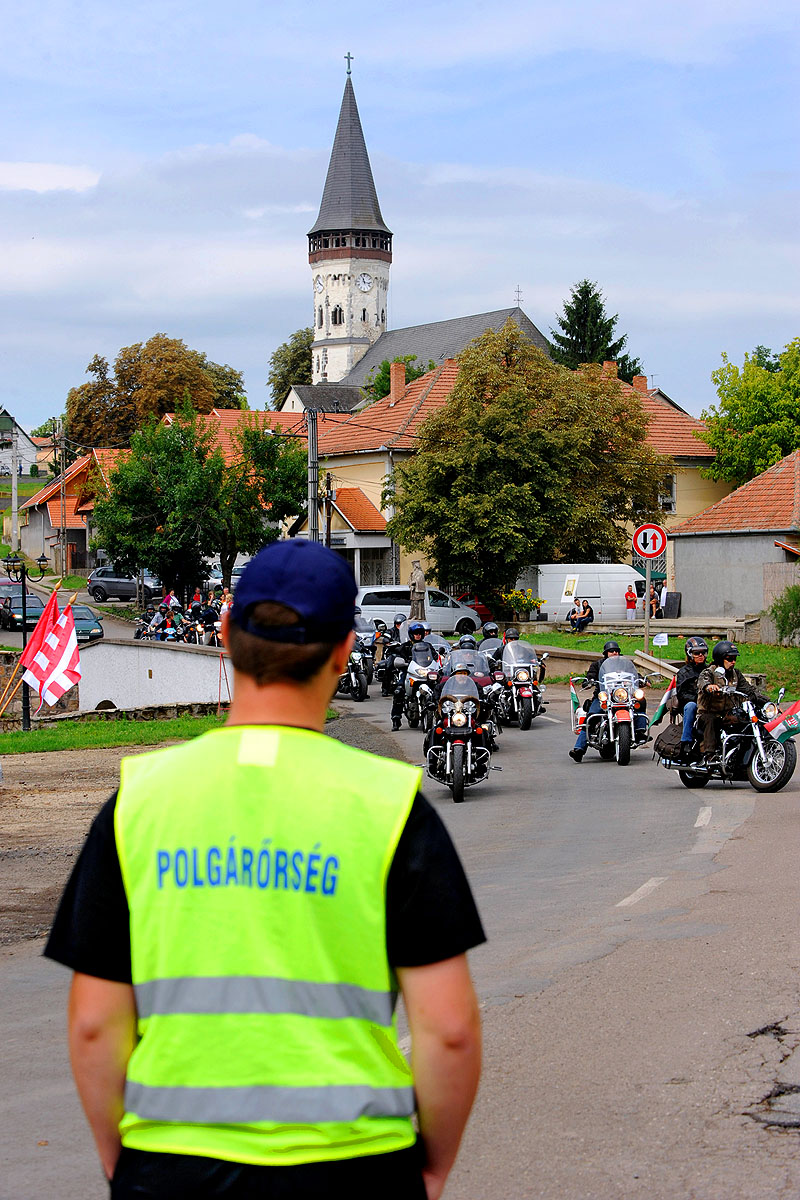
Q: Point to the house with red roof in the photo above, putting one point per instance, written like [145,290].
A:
[732,558]
[68,508]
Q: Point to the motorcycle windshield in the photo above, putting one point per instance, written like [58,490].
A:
[519,654]
[459,687]
[422,654]
[470,660]
[489,645]
[619,671]
[440,645]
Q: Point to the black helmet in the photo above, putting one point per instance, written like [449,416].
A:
[163,608]
[416,627]
[723,650]
[467,642]
[609,646]
[512,634]
[426,625]
[490,630]
[695,645]
[399,618]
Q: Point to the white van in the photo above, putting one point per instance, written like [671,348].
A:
[603,584]
[445,614]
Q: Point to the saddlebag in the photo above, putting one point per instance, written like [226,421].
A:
[668,743]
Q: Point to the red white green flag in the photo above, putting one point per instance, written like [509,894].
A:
[786,724]
[573,695]
[671,691]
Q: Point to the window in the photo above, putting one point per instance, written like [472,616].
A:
[363,314]
[667,497]
[437,599]
[320,317]
[337,316]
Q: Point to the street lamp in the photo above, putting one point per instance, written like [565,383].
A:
[20,573]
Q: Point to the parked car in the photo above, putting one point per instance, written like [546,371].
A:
[472,601]
[87,623]
[445,614]
[11,612]
[107,582]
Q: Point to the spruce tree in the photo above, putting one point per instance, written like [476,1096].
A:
[587,333]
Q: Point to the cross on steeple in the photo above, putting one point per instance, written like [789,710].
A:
[348,59]
[518,295]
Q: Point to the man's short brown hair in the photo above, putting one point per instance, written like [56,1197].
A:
[268,661]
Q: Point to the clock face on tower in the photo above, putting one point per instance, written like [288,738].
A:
[364,281]
[318,284]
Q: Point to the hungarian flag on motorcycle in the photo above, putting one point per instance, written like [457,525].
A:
[573,695]
[671,691]
[786,724]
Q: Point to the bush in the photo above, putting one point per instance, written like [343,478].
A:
[785,611]
[34,471]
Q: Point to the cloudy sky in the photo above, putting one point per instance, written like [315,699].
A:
[164,161]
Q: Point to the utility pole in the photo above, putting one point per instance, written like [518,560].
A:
[328,509]
[14,489]
[63,496]
[313,476]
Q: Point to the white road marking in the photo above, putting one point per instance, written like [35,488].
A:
[552,720]
[703,817]
[643,891]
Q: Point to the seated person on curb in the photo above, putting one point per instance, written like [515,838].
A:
[712,703]
[696,651]
[575,614]
[586,617]
[610,650]
[416,633]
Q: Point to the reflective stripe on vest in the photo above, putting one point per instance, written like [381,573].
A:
[254,994]
[229,1105]
[255,862]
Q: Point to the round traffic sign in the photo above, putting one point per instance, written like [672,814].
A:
[649,541]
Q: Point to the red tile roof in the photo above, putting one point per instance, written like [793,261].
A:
[54,487]
[671,430]
[770,503]
[71,518]
[359,511]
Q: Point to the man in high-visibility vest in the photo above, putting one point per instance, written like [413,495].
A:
[239,921]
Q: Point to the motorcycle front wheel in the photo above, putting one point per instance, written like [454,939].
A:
[413,717]
[457,786]
[774,773]
[623,745]
[525,712]
[359,689]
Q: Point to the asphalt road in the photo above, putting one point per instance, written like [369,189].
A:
[639,985]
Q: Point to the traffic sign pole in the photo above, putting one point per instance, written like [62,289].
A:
[647,607]
[649,541]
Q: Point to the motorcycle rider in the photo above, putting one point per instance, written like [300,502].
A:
[712,703]
[403,652]
[158,619]
[390,649]
[696,650]
[611,649]
[511,635]
[466,642]
[491,633]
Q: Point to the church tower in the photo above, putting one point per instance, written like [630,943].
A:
[350,252]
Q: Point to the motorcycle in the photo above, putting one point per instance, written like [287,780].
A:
[611,730]
[364,644]
[194,633]
[747,749]
[387,672]
[353,680]
[475,664]
[523,674]
[419,699]
[458,748]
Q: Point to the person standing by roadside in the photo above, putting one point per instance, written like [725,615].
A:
[631,600]
[239,920]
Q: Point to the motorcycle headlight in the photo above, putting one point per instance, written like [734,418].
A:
[522,676]
[602,697]
[639,694]
[355,656]
[459,718]
[620,694]
[769,711]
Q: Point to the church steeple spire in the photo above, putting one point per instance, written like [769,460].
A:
[349,252]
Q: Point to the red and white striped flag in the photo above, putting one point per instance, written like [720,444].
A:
[55,666]
[43,626]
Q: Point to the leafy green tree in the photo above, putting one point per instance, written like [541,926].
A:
[266,482]
[785,612]
[755,423]
[587,333]
[378,382]
[47,428]
[290,363]
[526,462]
[162,507]
[148,379]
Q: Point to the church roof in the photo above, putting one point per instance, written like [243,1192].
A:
[328,397]
[439,340]
[349,200]
[770,503]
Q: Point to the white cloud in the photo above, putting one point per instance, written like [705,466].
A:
[46,177]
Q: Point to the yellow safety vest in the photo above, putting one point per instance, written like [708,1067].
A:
[255,861]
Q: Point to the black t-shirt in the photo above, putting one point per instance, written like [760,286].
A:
[430,912]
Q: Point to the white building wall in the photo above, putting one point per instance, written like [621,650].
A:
[135,674]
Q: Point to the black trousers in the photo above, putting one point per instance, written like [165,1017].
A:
[141,1175]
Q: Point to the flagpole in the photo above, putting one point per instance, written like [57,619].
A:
[17,668]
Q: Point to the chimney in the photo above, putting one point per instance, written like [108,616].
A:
[640,383]
[610,369]
[397,381]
